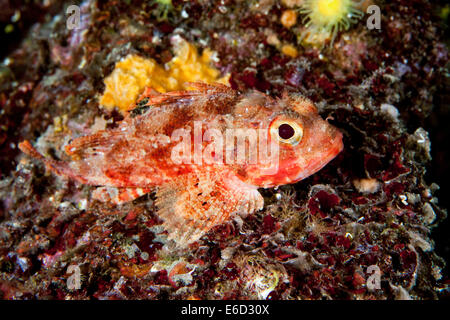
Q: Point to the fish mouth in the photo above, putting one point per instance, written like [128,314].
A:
[337,145]
[292,173]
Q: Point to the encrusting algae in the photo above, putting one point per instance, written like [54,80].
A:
[134,73]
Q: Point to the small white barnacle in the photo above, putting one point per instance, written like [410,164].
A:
[404,199]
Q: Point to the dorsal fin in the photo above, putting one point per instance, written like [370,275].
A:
[151,97]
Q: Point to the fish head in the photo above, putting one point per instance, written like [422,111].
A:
[306,143]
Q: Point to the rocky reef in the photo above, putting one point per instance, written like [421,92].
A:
[371,210]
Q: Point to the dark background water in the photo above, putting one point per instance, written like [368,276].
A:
[439,129]
[439,171]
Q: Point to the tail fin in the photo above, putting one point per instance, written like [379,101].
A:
[58,167]
[26,147]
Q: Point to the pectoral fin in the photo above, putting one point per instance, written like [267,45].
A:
[193,204]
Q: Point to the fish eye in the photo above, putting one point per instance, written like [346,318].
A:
[286,131]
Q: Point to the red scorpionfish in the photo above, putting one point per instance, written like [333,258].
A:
[174,142]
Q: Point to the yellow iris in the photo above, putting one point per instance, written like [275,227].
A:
[287,131]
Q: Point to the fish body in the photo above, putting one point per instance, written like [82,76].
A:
[205,151]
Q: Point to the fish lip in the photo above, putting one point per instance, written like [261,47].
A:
[323,160]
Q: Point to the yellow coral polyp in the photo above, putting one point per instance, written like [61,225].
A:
[134,73]
[329,8]
[329,16]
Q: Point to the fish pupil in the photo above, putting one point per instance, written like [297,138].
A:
[286,131]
